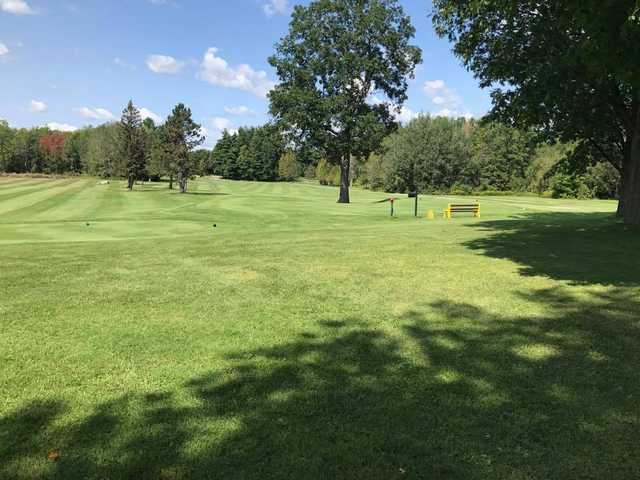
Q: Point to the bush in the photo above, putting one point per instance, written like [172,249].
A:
[583,192]
[602,179]
[563,185]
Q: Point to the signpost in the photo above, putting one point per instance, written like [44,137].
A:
[414,194]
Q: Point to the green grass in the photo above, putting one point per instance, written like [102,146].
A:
[305,339]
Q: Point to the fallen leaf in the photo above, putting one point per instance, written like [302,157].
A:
[53,455]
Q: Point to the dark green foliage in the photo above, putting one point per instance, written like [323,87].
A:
[463,157]
[429,154]
[582,173]
[178,137]
[337,53]
[202,161]
[501,156]
[249,154]
[23,152]
[225,156]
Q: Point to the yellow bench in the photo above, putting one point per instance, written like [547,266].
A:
[473,208]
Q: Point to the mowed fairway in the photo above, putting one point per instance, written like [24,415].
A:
[304,339]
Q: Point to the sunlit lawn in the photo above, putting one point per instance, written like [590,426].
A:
[299,338]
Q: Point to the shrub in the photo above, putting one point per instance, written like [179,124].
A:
[563,185]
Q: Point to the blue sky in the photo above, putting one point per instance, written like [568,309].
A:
[70,63]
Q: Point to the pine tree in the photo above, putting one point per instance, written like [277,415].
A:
[246,163]
[180,135]
[132,144]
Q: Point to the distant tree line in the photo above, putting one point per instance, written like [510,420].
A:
[443,155]
[136,149]
[429,154]
[132,148]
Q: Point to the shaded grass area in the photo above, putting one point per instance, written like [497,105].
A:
[306,340]
[581,248]
[485,397]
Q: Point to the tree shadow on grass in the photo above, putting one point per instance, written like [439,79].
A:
[580,248]
[454,392]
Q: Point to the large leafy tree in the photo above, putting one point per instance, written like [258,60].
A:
[179,136]
[132,144]
[428,154]
[568,68]
[336,56]
[501,156]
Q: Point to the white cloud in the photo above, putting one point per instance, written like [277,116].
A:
[216,70]
[446,99]
[164,64]
[275,7]
[146,113]
[3,49]
[239,110]
[445,112]
[18,7]
[36,106]
[61,127]
[405,115]
[441,95]
[221,123]
[95,113]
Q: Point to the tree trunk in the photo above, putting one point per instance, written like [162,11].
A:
[182,182]
[631,182]
[620,211]
[170,182]
[345,167]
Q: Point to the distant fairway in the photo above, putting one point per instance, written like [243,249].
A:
[301,338]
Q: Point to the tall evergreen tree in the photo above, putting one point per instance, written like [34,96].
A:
[180,135]
[132,144]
